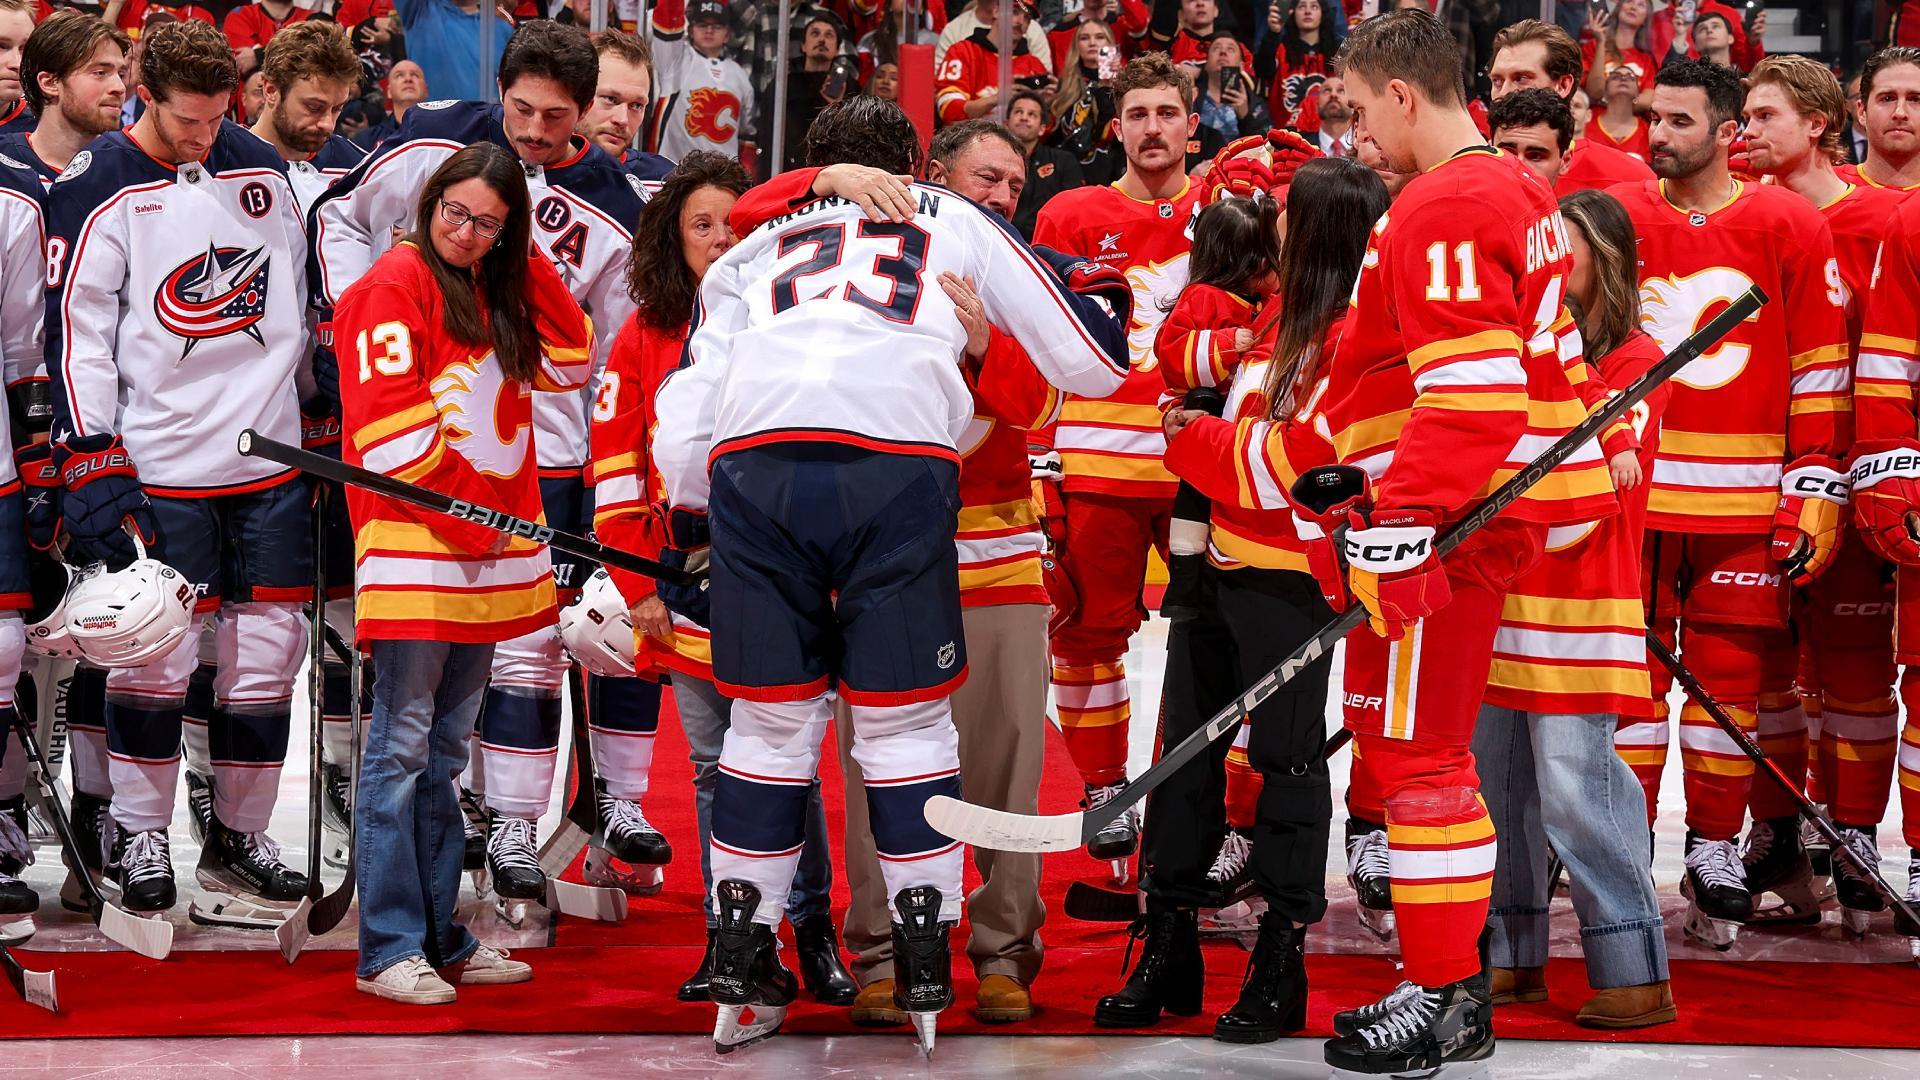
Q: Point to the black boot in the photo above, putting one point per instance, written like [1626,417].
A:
[821,970]
[1170,975]
[695,988]
[1273,996]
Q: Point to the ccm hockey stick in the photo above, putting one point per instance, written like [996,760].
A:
[1005,831]
[1821,823]
[254,444]
[34,987]
[151,938]
[292,934]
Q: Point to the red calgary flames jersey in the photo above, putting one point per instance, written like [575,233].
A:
[1857,174]
[1889,363]
[1597,166]
[970,70]
[1777,387]
[1113,445]
[999,533]
[1460,364]
[1859,220]
[1635,145]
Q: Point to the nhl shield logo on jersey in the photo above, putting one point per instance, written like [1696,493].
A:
[212,295]
[77,166]
[712,114]
[946,656]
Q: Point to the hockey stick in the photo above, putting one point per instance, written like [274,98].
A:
[34,987]
[331,908]
[1005,831]
[579,826]
[254,444]
[292,934]
[152,938]
[1821,823]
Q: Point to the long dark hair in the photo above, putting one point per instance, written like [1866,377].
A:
[1608,231]
[1331,207]
[1333,31]
[486,305]
[1235,241]
[658,278]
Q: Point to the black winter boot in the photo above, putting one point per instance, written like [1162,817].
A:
[1273,996]
[1169,976]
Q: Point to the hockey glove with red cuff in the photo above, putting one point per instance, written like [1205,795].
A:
[1092,282]
[1806,524]
[684,545]
[1323,497]
[103,499]
[1885,475]
[1393,569]
[42,482]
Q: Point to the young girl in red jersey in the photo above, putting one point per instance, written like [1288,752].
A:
[1266,605]
[442,343]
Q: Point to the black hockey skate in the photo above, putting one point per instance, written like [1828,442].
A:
[746,971]
[695,988]
[245,884]
[1170,974]
[1776,862]
[1819,852]
[1859,900]
[922,960]
[336,806]
[92,827]
[1419,1029]
[1230,878]
[1117,842]
[630,837]
[474,812]
[513,859]
[199,805]
[141,864]
[1716,890]
[1273,995]
[1901,924]
[1367,873]
[18,901]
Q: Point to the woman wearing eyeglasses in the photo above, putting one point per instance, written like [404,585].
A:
[441,345]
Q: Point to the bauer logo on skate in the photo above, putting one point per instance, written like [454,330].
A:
[470,396]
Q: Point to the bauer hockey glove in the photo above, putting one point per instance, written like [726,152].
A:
[1806,524]
[103,499]
[1095,282]
[1885,475]
[1393,569]
[1322,498]
[685,547]
[42,483]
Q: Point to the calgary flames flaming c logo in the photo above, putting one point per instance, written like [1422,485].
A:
[712,114]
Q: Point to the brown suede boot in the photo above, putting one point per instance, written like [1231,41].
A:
[1619,1007]
[1519,984]
[1002,1000]
[874,1005]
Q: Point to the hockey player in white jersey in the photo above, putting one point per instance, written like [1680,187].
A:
[825,396]
[22,230]
[310,71]
[74,75]
[175,319]
[584,212]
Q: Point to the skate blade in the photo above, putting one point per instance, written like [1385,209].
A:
[17,931]
[1234,920]
[73,895]
[1119,873]
[729,1034]
[639,879]
[335,856]
[1856,922]
[151,938]
[1719,934]
[292,934]
[924,1025]
[236,912]
[512,912]
[586,901]
[1455,1070]
[1381,924]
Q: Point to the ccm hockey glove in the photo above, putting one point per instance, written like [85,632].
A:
[1886,498]
[103,499]
[1806,524]
[1393,569]
[1323,497]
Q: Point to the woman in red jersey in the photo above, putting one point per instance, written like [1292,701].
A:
[442,343]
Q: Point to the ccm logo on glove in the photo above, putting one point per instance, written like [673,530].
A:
[1819,483]
[1388,549]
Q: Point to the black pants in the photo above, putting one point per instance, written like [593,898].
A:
[1261,617]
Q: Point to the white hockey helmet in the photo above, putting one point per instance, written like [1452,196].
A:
[597,628]
[129,618]
[47,618]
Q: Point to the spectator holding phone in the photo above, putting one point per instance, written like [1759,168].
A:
[1226,101]
[821,76]
[1126,20]
[1620,37]
[968,85]
[1081,112]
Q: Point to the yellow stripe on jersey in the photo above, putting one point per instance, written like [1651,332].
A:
[1115,413]
[1566,482]
[1825,354]
[1871,388]
[1371,432]
[1440,836]
[1889,344]
[1253,553]
[412,536]
[419,470]
[616,463]
[1448,892]
[393,423]
[1466,401]
[1109,467]
[1625,680]
[1706,444]
[1025,571]
[993,517]
[1561,611]
[1501,342]
[492,605]
[1826,401]
[1694,503]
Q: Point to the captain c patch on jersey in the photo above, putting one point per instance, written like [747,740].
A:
[212,295]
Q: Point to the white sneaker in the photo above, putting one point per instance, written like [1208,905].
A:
[489,966]
[410,982]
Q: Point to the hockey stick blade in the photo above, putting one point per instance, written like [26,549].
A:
[1816,817]
[254,444]
[586,901]
[34,987]
[993,828]
[1088,902]
[152,938]
[292,934]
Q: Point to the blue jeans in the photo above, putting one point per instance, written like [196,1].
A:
[1554,777]
[408,830]
[704,714]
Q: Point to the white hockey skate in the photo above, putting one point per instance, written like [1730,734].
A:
[1901,924]
[1776,864]
[1716,891]
[1367,873]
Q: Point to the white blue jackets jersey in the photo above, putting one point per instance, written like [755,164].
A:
[311,178]
[824,326]
[14,144]
[23,270]
[176,307]
[584,211]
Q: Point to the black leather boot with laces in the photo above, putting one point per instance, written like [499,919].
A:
[1170,974]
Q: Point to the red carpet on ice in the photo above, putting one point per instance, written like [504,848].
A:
[620,979]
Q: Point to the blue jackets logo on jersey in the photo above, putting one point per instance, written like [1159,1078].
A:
[216,294]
